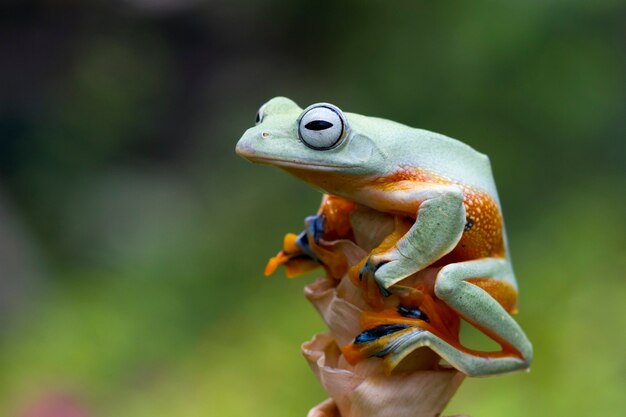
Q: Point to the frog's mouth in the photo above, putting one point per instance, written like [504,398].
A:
[294,164]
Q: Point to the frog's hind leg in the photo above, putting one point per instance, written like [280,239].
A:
[470,363]
[482,310]
[478,303]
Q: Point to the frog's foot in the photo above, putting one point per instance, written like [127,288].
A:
[305,251]
[314,227]
[380,341]
[365,273]
[308,240]
[384,331]
[296,256]
[370,272]
[304,246]
[363,276]
[314,242]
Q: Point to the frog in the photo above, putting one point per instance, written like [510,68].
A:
[445,194]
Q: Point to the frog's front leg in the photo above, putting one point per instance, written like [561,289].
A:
[437,229]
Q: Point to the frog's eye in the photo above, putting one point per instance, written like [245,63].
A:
[260,115]
[322,126]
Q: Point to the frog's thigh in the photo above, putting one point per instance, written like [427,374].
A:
[477,306]
[438,228]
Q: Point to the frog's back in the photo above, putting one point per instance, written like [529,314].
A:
[405,146]
[428,157]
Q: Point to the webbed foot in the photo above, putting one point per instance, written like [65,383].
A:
[381,341]
[314,230]
[368,273]
[315,226]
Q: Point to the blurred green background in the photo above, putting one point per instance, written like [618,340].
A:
[132,239]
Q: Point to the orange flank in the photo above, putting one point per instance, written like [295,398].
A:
[483,235]
[502,291]
[483,228]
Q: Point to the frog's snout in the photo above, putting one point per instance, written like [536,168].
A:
[248,145]
[243,148]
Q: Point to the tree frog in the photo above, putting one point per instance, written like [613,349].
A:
[444,195]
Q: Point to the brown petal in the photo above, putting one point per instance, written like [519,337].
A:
[341,317]
[415,394]
[363,391]
[322,354]
[327,408]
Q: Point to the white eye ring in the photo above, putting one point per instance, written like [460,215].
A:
[260,115]
[322,126]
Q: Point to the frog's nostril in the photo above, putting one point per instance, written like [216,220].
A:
[265,135]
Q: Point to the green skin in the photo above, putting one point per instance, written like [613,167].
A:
[375,148]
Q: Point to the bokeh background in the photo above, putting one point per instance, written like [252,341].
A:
[132,239]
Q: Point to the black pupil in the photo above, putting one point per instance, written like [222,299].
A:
[258,117]
[318,125]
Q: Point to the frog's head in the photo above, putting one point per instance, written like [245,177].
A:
[309,143]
